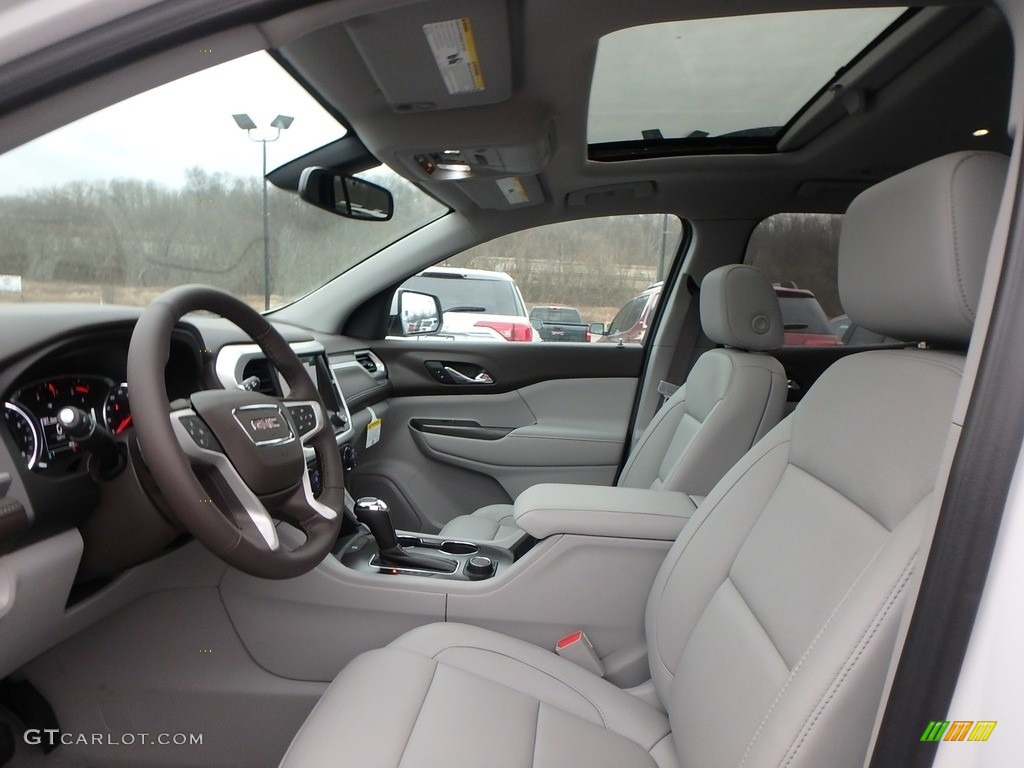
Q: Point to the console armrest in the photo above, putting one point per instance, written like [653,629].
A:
[588,510]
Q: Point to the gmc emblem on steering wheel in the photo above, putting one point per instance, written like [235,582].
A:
[264,424]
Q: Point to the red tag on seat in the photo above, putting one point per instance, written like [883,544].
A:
[568,640]
[576,648]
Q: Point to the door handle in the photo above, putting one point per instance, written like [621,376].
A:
[463,374]
[460,378]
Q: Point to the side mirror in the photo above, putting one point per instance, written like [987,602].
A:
[537,323]
[597,329]
[417,313]
[346,195]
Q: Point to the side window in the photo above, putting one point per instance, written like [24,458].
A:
[799,254]
[561,282]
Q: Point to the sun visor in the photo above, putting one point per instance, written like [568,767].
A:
[504,194]
[432,56]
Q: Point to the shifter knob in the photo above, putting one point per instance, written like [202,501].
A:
[375,515]
[83,429]
[372,503]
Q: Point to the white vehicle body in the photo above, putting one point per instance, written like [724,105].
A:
[478,304]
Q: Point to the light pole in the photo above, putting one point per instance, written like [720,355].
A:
[664,245]
[281,123]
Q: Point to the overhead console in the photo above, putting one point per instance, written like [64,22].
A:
[495,177]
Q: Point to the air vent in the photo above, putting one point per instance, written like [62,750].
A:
[261,368]
[366,360]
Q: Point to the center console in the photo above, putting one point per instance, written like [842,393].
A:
[384,551]
[559,580]
[543,511]
[466,561]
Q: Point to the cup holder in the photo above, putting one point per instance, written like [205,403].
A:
[459,548]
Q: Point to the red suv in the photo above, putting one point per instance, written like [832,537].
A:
[805,321]
[630,323]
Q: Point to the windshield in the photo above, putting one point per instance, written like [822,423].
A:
[166,188]
[556,315]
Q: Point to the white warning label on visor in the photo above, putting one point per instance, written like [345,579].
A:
[513,190]
[455,53]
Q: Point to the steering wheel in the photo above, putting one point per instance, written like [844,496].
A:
[245,447]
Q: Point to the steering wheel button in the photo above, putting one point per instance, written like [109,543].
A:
[199,434]
[304,416]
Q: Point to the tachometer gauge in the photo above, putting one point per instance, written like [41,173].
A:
[25,432]
[82,391]
[116,411]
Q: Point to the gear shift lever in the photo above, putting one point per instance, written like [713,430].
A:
[375,515]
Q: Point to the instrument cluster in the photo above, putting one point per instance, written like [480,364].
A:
[31,416]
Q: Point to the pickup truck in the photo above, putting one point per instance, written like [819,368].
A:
[559,324]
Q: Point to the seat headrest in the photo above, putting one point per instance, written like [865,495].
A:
[913,248]
[738,308]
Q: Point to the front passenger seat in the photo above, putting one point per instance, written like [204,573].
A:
[771,623]
[730,400]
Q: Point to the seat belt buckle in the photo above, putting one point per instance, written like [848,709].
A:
[666,390]
[576,648]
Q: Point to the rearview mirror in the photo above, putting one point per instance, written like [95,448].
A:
[417,313]
[346,195]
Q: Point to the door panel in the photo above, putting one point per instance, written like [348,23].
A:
[510,365]
[554,413]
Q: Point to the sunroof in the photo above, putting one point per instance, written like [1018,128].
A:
[722,80]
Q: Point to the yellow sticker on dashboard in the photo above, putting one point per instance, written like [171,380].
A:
[373,433]
[455,54]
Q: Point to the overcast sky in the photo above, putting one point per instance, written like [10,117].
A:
[158,134]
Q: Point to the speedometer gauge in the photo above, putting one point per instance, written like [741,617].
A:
[116,411]
[26,435]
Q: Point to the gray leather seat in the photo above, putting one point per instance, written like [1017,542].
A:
[730,400]
[771,623]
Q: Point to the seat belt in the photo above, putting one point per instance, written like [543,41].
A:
[692,344]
